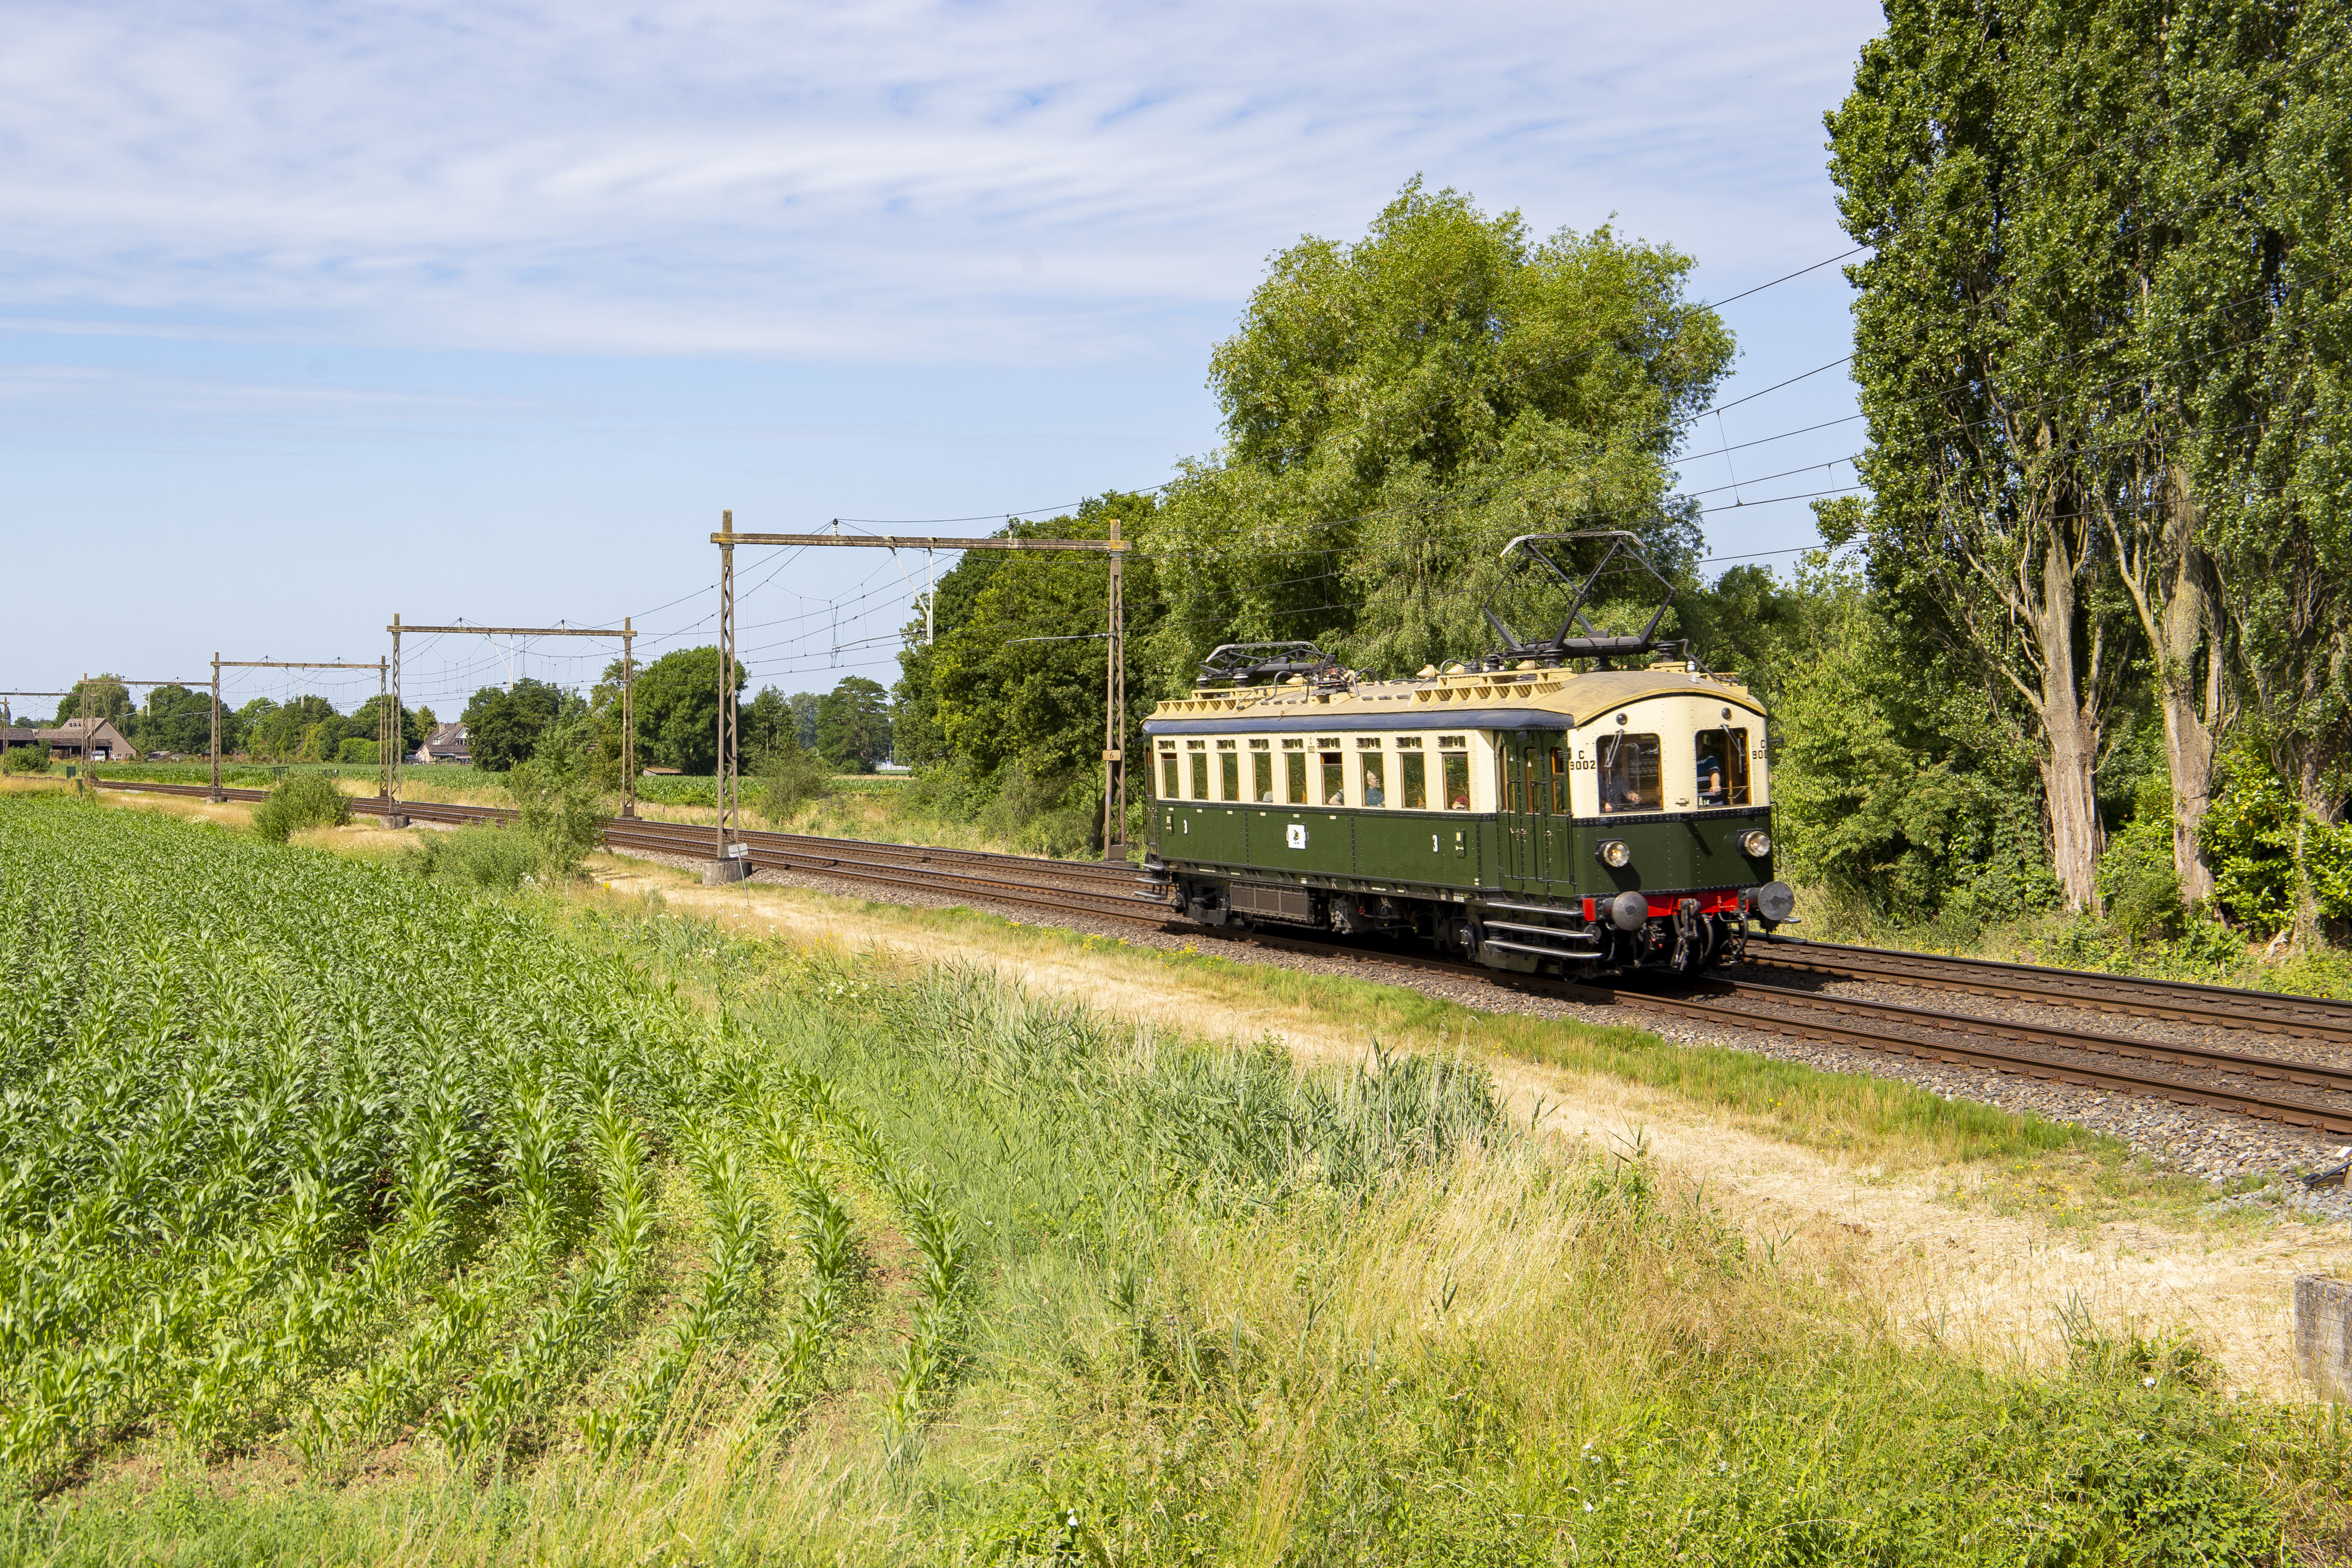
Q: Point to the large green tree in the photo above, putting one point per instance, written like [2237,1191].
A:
[305,730]
[175,719]
[676,702]
[503,724]
[2258,324]
[361,724]
[1990,330]
[853,725]
[1017,674]
[1398,408]
[768,726]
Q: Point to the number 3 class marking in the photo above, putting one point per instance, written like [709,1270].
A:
[1433,844]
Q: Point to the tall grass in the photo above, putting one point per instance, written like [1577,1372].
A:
[971,1276]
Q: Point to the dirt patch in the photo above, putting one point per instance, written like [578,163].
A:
[1992,1286]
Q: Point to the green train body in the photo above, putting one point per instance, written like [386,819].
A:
[1530,819]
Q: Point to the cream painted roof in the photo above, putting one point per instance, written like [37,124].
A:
[1476,697]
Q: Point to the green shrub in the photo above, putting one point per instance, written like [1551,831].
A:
[305,800]
[790,778]
[1057,814]
[555,794]
[356,752]
[2266,848]
[2137,879]
[28,760]
[480,858]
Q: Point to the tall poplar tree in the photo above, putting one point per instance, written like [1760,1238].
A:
[1994,345]
[2094,342]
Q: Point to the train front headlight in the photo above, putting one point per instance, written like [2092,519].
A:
[1755,843]
[1614,855]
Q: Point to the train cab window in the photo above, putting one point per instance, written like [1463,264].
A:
[1558,768]
[1169,783]
[1413,775]
[1454,754]
[1261,775]
[1630,774]
[1229,771]
[1532,765]
[1200,760]
[1722,767]
[1294,777]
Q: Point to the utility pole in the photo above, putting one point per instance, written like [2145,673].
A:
[1115,718]
[628,717]
[727,865]
[1115,681]
[392,815]
[214,792]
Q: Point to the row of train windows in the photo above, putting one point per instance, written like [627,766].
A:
[1631,773]
[1418,785]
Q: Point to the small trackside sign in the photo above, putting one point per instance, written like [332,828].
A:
[1295,835]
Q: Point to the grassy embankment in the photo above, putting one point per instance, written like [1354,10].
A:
[803,1260]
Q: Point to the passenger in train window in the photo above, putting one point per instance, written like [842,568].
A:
[1629,772]
[1458,780]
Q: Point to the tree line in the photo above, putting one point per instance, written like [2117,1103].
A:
[675,707]
[2083,639]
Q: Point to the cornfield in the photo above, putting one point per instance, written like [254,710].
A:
[298,1151]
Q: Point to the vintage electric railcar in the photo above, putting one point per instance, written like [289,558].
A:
[1521,814]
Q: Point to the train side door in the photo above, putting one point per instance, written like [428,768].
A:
[1525,821]
[1548,775]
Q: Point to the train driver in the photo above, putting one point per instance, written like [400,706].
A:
[1618,790]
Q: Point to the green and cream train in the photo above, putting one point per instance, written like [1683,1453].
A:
[1523,816]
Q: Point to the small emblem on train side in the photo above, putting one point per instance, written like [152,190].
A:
[1295,835]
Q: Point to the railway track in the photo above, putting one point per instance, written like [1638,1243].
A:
[2314,1095]
[2217,1006]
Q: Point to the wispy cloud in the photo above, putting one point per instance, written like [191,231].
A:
[902,181]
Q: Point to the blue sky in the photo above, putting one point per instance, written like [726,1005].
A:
[309,314]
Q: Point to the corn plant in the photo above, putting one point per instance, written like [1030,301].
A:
[280,1133]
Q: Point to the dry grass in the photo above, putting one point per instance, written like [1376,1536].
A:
[1918,1226]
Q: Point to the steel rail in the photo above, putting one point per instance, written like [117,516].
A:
[676,840]
[2181,1001]
[2264,1106]
[2307,1075]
